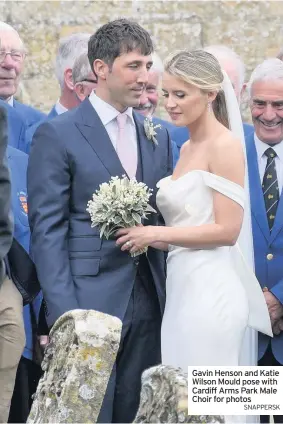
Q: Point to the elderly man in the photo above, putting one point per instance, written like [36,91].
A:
[232,64]
[149,101]
[12,55]
[70,48]
[150,97]
[84,79]
[265,163]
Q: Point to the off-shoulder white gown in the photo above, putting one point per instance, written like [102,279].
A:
[211,295]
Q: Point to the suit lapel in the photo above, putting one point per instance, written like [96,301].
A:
[146,153]
[257,200]
[96,135]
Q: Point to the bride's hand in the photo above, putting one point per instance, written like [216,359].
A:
[136,238]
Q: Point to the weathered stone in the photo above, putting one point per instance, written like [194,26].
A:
[77,365]
[164,398]
[252,28]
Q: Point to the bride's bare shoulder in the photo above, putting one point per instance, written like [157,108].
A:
[227,157]
[225,141]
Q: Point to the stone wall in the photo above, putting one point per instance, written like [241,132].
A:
[252,28]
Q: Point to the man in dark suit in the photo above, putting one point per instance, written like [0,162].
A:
[12,56]
[11,320]
[265,165]
[232,64]
[71,156]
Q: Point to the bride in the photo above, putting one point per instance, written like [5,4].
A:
[212,295]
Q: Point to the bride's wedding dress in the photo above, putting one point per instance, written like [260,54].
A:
[211,295]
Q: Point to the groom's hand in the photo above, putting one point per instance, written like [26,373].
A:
[277,327]
[275,308]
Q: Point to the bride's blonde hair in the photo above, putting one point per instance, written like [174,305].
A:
[200,69]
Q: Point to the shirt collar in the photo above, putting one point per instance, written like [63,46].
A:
[11,101]
[105,111]
[60,108]
[261,148]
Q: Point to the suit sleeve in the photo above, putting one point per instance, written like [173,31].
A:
[168,169]
[6,222]
[170,148]
[49,185]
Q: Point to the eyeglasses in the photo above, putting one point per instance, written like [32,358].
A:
[89,80]
[17,56]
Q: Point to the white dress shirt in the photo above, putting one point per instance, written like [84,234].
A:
[108,115]
[60,108]
[261,147]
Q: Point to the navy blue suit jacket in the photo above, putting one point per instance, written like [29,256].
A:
[16,127]
[18,162]
[171,129]
[71,156]
[181,134]
[268,247]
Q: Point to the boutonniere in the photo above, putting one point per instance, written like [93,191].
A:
[149,129]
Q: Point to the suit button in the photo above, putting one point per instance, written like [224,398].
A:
[136,261]
[269,257]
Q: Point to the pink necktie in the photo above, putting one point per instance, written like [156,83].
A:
[126,150]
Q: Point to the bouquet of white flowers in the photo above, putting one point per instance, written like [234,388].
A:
[121,203]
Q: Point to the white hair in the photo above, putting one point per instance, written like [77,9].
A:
[69,49]
[157,64]
[269,70]
[224,53]
[81,68]
[7,27]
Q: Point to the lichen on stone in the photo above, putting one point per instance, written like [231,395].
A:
[77,365]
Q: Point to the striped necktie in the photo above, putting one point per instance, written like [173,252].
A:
[270,187]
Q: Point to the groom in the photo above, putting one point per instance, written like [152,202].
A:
[70,157]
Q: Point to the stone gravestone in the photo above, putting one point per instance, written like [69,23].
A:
[77,365]
[164,398]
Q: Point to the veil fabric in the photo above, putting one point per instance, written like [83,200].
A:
[249,351]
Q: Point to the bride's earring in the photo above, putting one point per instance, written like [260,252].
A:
[209,107]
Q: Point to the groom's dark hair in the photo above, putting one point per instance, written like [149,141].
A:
[118,37]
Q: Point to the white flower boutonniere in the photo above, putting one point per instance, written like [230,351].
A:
[149,129]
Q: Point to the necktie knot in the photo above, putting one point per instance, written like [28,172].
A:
[270,153]
[121,120]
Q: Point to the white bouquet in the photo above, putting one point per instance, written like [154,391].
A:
[121,203]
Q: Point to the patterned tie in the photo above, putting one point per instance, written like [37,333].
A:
[270,187]
[126,151]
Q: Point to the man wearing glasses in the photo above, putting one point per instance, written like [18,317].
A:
[83,78]
[12,56]
[69,50]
